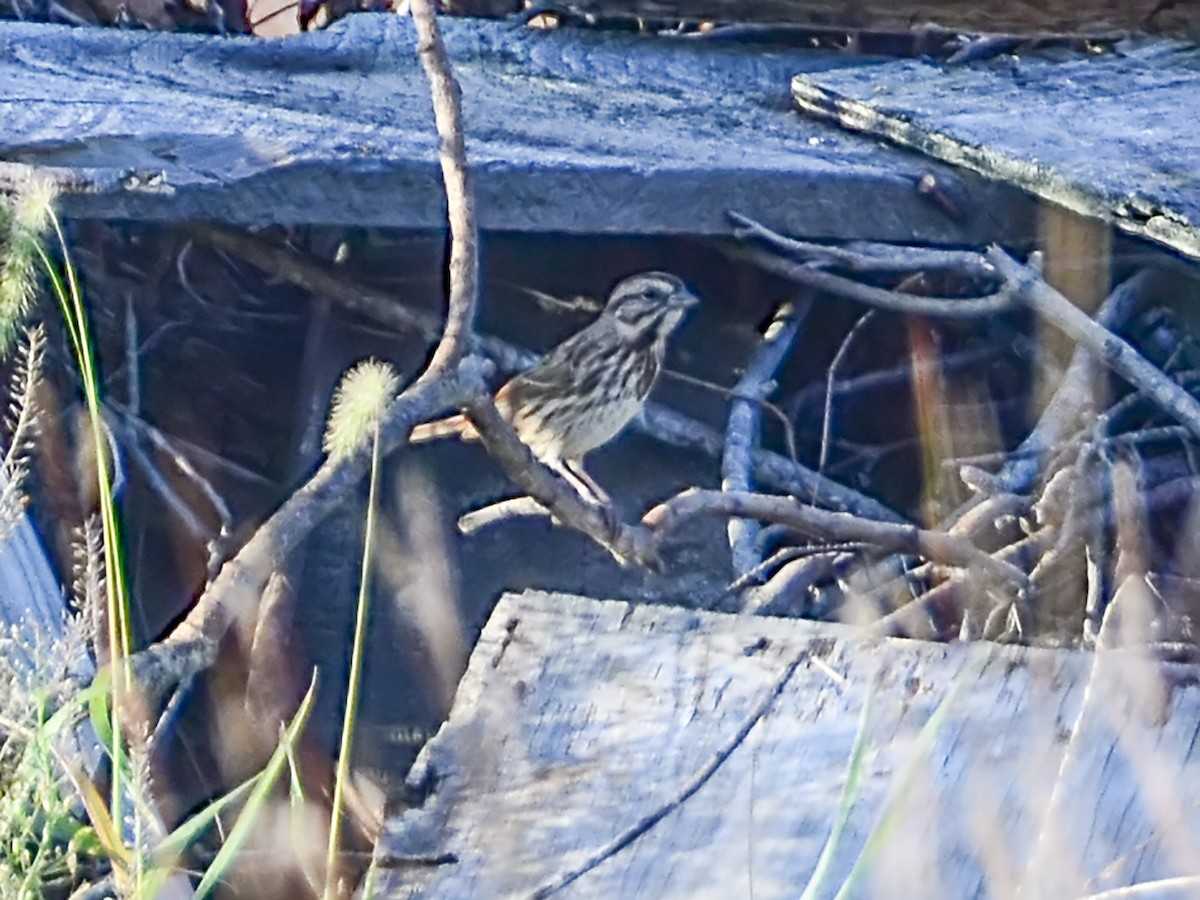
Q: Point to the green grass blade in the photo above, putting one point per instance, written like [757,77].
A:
[855,769]
[900,788]
[353,687]
[240,833]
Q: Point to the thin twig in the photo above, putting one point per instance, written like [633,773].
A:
[1076,393]
[460,201]
[900,373]
[500,511]
[1001,300]
[831,377]
[741,434]
[132,424]
[948,549]
[1111,350]
[789,430]
[760,573]
[868,256]
[159,484]
[898,621]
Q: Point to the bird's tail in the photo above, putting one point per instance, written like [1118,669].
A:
[452,426]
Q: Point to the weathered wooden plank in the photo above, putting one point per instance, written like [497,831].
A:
[1111,136]
[31,599]
[569,131]
[578,718]
[1055,17]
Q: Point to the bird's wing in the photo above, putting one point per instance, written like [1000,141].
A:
[556,370]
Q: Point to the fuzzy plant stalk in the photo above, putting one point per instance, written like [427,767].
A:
[23,222]
[30,216]
[358,407]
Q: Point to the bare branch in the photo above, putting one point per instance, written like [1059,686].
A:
[1000,301]
[460,201]
[868,256]
[500,511]
[233,596]
[1112,351]
[947,549]
[741,434]
[831,376]
[1074,395]
[626,543]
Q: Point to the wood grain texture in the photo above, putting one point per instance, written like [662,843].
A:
[577,718]
[31,600]
[1056,17]
[1112,137]
[568,131]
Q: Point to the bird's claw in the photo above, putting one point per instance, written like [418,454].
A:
[612,519]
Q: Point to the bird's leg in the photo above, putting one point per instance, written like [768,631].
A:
[572,470]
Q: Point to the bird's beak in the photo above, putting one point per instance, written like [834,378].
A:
[684,299]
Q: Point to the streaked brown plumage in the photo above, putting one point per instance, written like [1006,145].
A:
[585,390]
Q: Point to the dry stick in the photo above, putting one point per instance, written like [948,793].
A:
[1152,434]
[500,511]
[690,787]
[374,303]
[867,256]
[1111,350]
[1075,393]
[902,619]
[233,596]
[827,417]
[627,543]
[460,201]
[158,483]
[741,434]
[656,421]
[772,469]
[1002,300]
[795,577]
[789,431]
[948,549]
[892,375]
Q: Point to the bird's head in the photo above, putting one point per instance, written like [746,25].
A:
[649,306]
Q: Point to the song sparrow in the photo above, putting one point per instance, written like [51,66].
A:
[591,385]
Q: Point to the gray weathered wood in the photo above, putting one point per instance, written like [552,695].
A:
[567,131]
[31,599]
[1080,17]
[1111,136]
[577,718]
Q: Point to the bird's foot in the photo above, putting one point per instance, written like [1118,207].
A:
[612,518]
